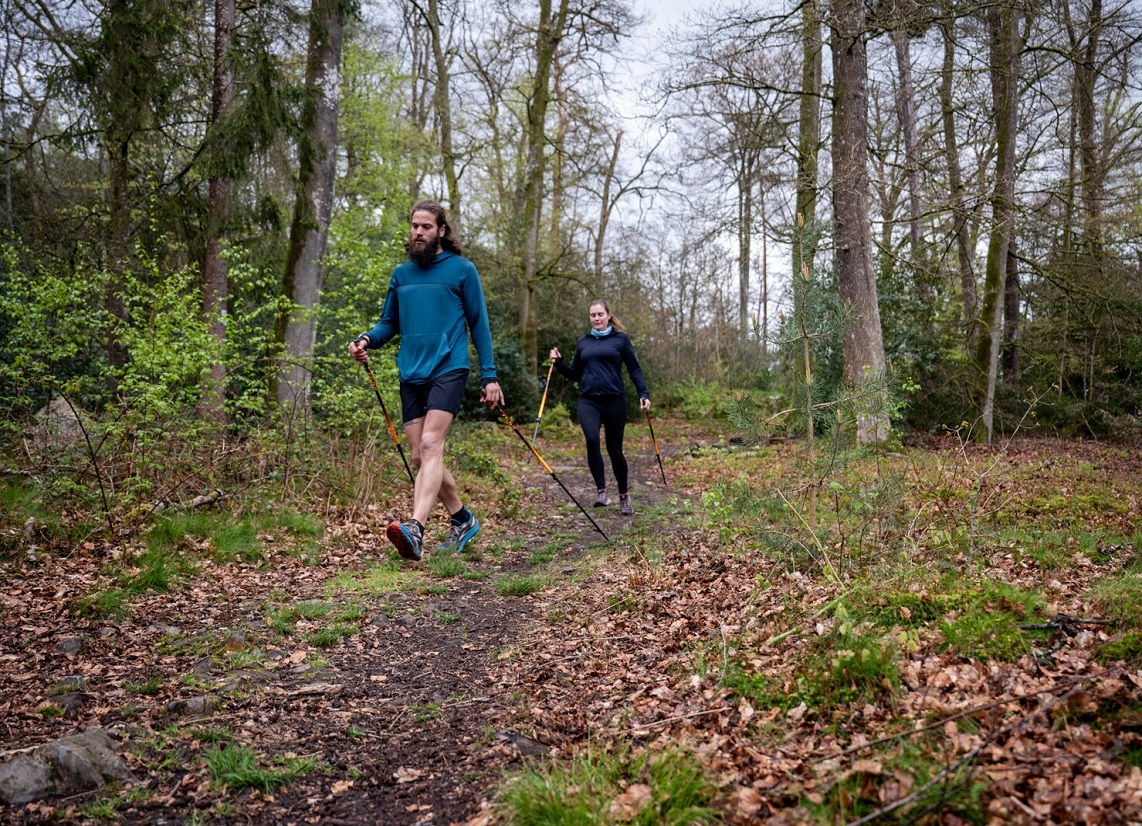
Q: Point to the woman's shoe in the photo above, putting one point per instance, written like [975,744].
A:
[602,500]
[624,505]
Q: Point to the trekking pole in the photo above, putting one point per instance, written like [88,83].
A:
[388,421]
[547,467]
[542,402]
[657,455]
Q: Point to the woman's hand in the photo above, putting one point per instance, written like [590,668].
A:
[554,354]
[645,405]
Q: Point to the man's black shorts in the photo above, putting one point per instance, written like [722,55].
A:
[442,393]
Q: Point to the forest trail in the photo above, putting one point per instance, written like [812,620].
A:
[409,719]
[1002,675]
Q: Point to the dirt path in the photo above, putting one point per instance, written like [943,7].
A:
[407,718]
[443,769]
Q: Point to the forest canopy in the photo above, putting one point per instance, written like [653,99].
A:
[202,206]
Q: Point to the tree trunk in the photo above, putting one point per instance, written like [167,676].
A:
[809,129]
[1005,49]
[905,94]
[746,173]
[1011,319]
[442,105]
[955,182]
[605,209]
[119,241]
[215,271]
[549,33]
[305,268]
[558,150]
[1091,168]
[864,344]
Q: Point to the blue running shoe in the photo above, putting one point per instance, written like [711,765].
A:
[408,538]
[460,534]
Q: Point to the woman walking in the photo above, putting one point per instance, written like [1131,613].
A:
[597,366]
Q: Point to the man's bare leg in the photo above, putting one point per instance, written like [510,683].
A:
[433,481]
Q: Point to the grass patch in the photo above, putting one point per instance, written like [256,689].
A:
[245,658]
[21,500]
[519,585]
[212,734]
[1124,648]
[100,810]
[157,569]
[850,665]
[446,566]
[312,608]
[759,689]
[546,553]
[331,636]
[147,688]
[667,789]
[302,530]
[237,766]
[980,621]
[987,626]
[425,712]
[296,524]
[388,577]
[621,603]
[283,620]
[351,612]
[232,537]
[1119,597]
[238,540]
[109,604]
[906,602]
[858,793]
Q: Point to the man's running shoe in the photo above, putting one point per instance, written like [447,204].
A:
[408,538]
[624,504]
[602,500]
[460,534]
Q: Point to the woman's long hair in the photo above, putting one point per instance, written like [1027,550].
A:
[612,319]
[448,241]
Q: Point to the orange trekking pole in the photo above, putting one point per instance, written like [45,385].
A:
[656,453]
[388,421]
[542,402]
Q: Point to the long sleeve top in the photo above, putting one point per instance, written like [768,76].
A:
[433,308]
[597,365]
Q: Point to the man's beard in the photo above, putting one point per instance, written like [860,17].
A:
[422,255]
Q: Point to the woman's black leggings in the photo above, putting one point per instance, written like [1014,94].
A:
[610,413]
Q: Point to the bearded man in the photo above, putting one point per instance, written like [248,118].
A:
[434,300]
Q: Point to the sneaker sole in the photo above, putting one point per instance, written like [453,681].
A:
[401,543]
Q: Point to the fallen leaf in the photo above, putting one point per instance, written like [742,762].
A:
[628,804]
[405,775]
